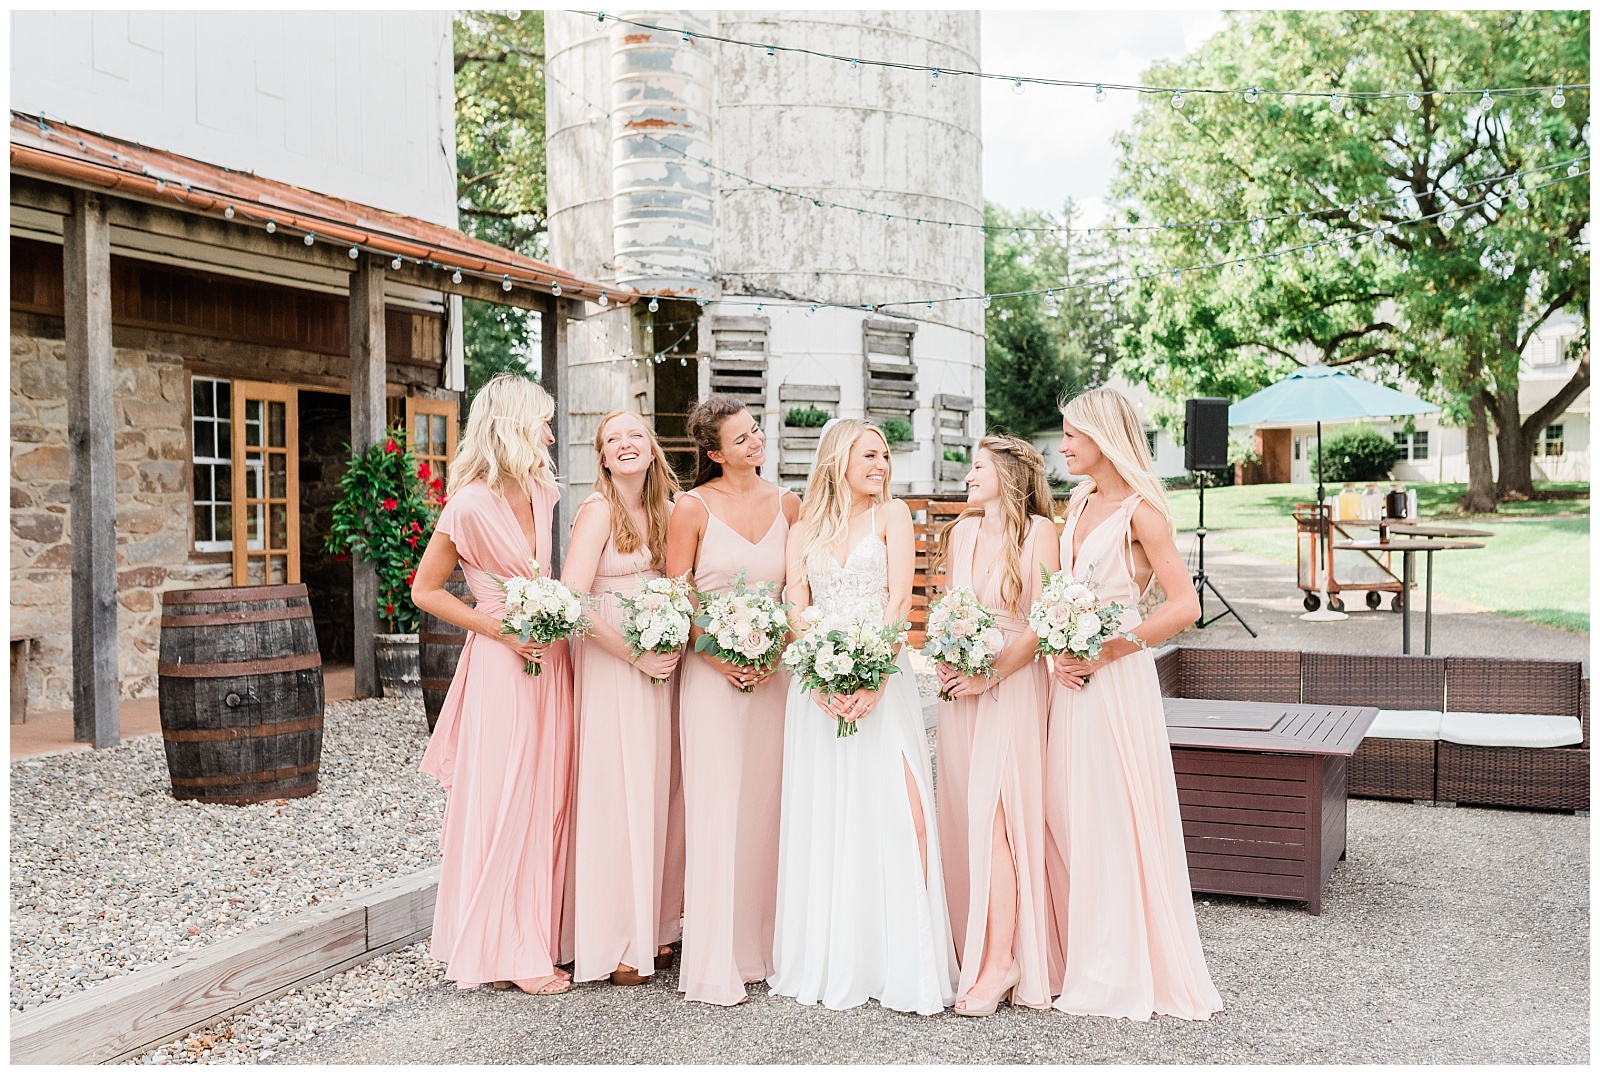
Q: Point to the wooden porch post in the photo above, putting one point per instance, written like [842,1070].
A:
[367,376]
[553,376]
[86,261]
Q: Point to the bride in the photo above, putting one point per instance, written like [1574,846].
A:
[861,908]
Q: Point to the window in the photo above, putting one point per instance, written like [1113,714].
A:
[1297,446]
[432,433]
[1150,441]
[212,475]
[1413,446]
[1553,442]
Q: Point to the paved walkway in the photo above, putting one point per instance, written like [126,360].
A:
[1267,596]
[1449,936]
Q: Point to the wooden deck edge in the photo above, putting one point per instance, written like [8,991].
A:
[129,1014]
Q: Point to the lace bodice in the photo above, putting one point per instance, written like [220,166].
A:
[860,587]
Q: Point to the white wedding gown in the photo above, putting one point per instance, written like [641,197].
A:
[855,919]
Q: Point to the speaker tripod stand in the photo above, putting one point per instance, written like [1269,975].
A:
[1202,581]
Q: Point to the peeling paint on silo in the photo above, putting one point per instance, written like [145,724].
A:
[663,203]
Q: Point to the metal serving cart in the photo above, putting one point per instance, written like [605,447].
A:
[1320,567]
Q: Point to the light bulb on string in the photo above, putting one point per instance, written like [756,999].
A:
[601,18]
[683,360]
[933,79]
[355,252]
[1522,200]
[654,304]
[1216,225]
[1252,95]
[1099,93]
[771,59]
[1177,99]
[855,67]
[228,212]
[505,283]
[688,38]
[1336,103]
[1305,221]
[1413,102]
[455,277]
[987,301]
[310,238]
[701,302]
[1016,86]
[555,287]
[1486,102]
[1573,169]
[1558,99]
[396,263]
[272,226]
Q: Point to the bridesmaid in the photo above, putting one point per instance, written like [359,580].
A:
[1124,941]
[503,744]
[731,521]
[624,718]
[991,737]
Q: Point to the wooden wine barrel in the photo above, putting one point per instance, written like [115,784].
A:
[440,650]
[240,693]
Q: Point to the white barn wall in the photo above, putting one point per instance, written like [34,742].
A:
[356,104]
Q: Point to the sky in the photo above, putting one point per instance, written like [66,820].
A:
[1048,143]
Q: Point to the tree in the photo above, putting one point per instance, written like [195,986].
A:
[1040,349]
[1449,303]
[500,169]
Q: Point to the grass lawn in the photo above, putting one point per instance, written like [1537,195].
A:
[1536,567]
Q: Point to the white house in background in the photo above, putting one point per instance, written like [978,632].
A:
[1436,452]
[1166,452]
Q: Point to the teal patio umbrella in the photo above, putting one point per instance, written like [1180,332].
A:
[1321,393]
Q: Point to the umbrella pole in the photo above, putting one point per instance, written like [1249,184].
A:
[1324,611]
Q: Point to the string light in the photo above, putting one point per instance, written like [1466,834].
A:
[228,212]
[455,277]
[555,287]
[772,57]
[934,80]
[311,237]
[505,283]
[855,67]
[272,226]
[1252,95]
[1016,86]
[1486,102]
[1558,99]
[1099,93]
[939,73]
[1334,102]
[396,263]
[1413,102]
[355,252]
[604,299]
[1177,99]
[654,305]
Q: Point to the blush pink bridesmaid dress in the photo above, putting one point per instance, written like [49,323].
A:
[991,755]
[620,812]
[503,751]
[732,768]
[1124,941]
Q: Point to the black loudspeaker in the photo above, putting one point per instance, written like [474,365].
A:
[1205,434]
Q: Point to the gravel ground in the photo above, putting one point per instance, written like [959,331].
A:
[1450,936]
[109,873]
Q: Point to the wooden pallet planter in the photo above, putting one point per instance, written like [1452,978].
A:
[797,447]
[739,359]
[127,1015]
[888,369]
[950,415]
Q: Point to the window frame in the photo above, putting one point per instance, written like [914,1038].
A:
[451,411]
[212,550]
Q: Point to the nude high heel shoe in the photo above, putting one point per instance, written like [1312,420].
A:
[1007,988]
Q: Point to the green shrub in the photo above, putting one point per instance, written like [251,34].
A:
[1243,451]
[897,431]
[1356,455]
[806,417]
[956,455]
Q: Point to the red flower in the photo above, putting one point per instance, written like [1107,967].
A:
[442,499]
[389,609]
[437,483]
[411,576]
[341,557]
[390,504]
[416,527]
[423,472]
[391,446]
[412,541]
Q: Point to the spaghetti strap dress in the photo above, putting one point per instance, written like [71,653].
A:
[991,755]
[1124,941]
[732,750]
[503,751]
[620,811]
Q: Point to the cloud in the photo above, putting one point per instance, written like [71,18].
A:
[1050,143]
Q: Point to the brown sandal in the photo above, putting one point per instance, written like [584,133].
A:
[665,960]
[626,975]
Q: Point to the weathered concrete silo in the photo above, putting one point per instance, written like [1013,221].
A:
[624,101]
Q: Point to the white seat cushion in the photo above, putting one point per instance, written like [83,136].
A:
[1511,730]
[1406,724]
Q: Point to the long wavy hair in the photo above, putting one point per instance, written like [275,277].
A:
[704,426]
[1108,419]
[1024,492]
[504,438]
[825,510]
[660,485]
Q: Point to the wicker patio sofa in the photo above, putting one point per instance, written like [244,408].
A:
[1471,730]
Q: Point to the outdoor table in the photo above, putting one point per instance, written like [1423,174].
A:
[1261,790]
[1430,531]
[1410,548]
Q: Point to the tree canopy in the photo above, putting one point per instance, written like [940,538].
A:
[1422,260]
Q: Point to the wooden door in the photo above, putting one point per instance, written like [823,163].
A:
[431,429]
[266,484]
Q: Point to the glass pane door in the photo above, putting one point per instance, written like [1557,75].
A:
[266,484]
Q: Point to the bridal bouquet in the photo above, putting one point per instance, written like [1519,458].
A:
[1069,618]
[841,655]
[744,627]
[657,617]
[539,610]
[962,633]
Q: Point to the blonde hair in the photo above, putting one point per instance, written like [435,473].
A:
[504,438]
[660,484]
[1106,417]
[1024,493]
[825,511]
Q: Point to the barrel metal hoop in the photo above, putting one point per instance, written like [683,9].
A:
[227,779]
[431,684]
[430,638]
[247,615]
[246,799]
[223,595]
[221,669]
[241,731]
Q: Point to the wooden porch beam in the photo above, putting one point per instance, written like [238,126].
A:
[91,427]
[367,367]
[554,359]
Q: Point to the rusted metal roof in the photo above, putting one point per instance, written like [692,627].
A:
[82,158]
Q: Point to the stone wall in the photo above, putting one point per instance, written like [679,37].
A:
[153,508]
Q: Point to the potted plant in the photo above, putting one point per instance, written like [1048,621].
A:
[898,432]
[806,418]
[386,509]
